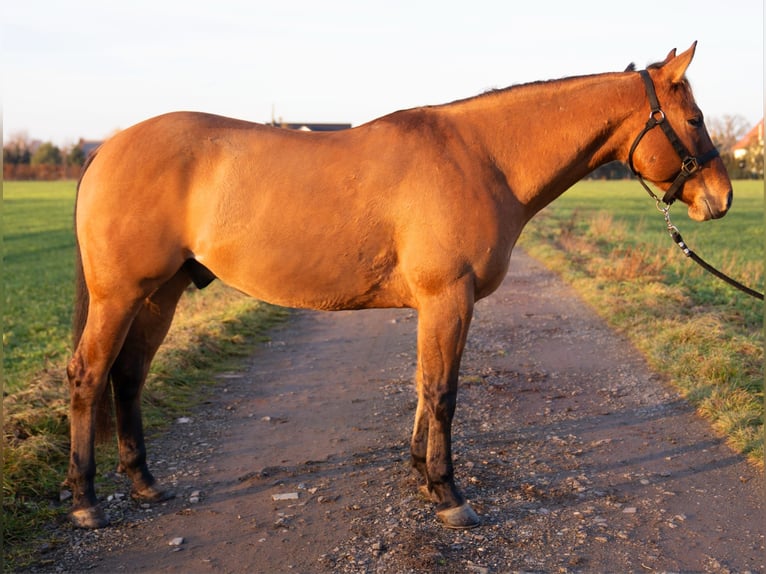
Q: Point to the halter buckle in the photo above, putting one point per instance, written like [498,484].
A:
[689,165]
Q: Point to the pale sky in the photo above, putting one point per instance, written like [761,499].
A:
[85,68]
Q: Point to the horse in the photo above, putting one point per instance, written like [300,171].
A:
[419,209]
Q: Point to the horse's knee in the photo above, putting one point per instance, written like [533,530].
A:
[437,402]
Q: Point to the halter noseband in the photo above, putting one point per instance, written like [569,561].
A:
[689,164]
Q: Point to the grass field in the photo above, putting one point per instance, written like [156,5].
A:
[620,219]
[605,238]
[38,276]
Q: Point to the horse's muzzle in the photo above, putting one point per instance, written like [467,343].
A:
[718,214]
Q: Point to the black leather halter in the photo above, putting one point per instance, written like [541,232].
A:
[689,164]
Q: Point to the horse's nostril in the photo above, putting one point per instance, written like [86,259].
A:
[729,199]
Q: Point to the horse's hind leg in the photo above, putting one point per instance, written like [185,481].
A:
[106,328]
[129,373]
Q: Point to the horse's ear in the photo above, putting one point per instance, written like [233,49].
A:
[670,56]
[676,67]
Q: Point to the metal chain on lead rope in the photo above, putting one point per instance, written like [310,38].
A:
[678,240]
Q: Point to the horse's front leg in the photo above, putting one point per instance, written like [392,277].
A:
[443,322]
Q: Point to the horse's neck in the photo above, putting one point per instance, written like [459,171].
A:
[547,136]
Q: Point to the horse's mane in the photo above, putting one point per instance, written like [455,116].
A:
[632,66]
[498,91]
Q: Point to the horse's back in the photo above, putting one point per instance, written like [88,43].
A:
[270,211]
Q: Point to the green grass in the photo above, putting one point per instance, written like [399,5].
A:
[609,241]
[38,277]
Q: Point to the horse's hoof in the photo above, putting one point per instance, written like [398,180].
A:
[152,494]
[92,517]
[460,517]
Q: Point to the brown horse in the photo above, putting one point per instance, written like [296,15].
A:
[419,209]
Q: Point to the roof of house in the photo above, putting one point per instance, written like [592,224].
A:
[754,136]
[89,146]
[312,127]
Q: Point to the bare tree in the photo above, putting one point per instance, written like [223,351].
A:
[17,149]
[727,130]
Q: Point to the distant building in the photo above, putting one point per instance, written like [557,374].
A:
[306,127]
[748,154]
[89,146]
[753,139]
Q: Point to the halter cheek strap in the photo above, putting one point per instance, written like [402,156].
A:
[689,164]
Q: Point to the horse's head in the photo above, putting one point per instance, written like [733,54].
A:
[674,150]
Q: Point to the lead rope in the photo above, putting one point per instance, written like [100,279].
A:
[678,240]
[676,236]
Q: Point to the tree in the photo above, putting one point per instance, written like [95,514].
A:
[46,154]
[75,156]
[17,150]
[727,131]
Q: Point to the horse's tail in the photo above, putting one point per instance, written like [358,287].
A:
[81,297]
[105,412]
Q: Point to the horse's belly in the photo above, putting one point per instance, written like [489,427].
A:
[312,277]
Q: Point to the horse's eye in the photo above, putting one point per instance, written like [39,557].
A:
[695,122]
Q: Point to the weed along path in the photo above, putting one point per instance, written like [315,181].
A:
[576,456]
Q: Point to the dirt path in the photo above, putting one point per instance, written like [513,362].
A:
[576,456]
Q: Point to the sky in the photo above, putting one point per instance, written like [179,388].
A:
[85,68]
